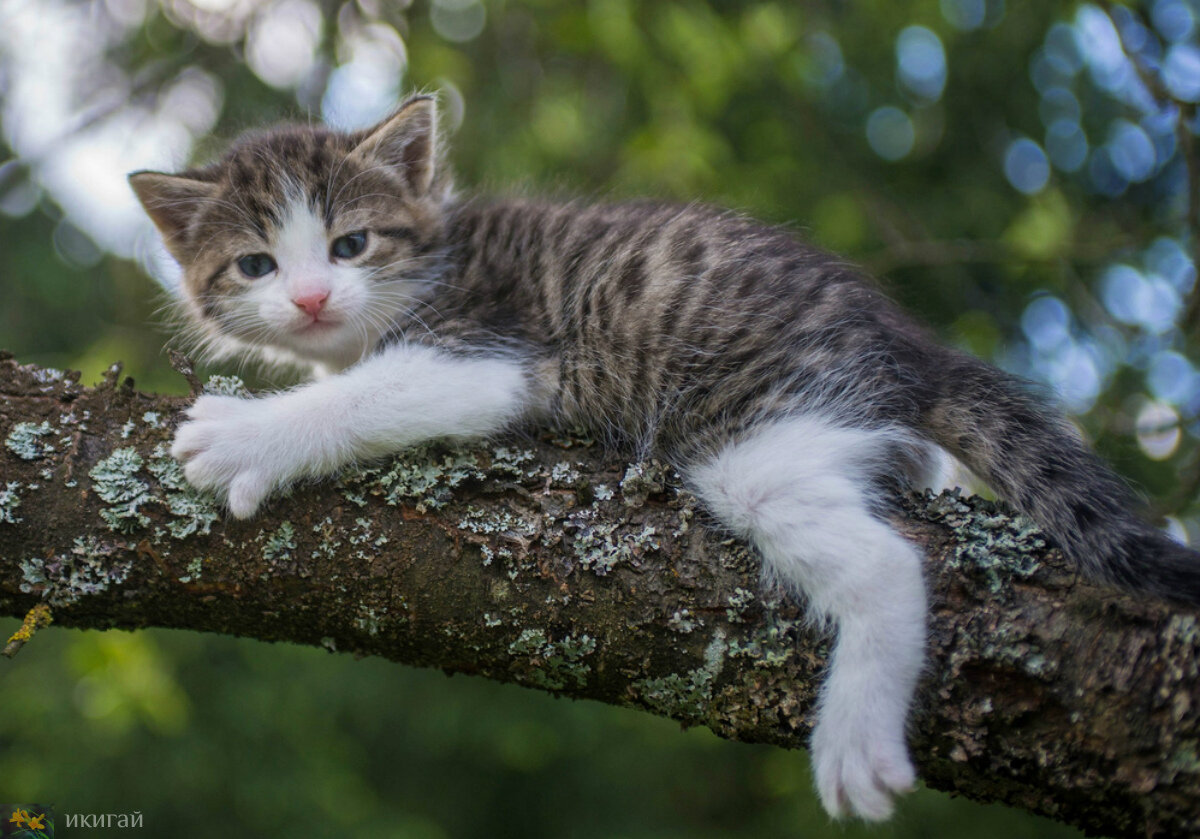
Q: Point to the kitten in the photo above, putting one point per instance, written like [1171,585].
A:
[784,387]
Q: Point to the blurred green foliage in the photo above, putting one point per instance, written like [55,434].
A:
[762,106]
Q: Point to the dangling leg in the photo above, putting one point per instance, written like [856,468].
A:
[800,491]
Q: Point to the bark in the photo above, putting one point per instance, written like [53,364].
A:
[545,562]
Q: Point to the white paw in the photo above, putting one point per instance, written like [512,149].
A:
[860,770]
[232,446]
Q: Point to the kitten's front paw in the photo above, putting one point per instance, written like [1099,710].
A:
[229,446]
[860,770]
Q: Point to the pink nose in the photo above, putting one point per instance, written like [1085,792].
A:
[312,301]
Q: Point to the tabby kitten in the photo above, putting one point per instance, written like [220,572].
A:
[784,386]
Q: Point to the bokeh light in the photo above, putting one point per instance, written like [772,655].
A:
[367,84]
[283,39]
[458,20]
[1026,166]
[1158,432]
[890,132]
[921,62]
[1181,72]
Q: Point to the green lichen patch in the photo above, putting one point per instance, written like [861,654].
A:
[426,478]
[739,602]
[685,696]
[569,438]
[1180,639]
[9,502]
[564,474]
[28,440]
[327,543]
[553,665]
[193,511]
[226,386]
[601,545]
[89,567]
[642,480]
[489,522]
[512,462]
[115,482]
[368,621]
[684,622]
[48,375]
[280,543]
[1012,646]
[1185,759]
[771,643]
[989,541]
[1182,629]
[195,569]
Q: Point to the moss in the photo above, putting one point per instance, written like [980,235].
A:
[226,386]
[685,696]
[90,566]
[553,665]
[9,502]
[37,618]
[27,440]
[115,483]
[194,511]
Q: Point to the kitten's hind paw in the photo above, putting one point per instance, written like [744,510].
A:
[859,774]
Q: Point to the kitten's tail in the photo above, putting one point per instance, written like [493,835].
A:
[1035,460]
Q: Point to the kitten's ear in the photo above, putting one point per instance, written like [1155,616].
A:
[170,200]
[406,141]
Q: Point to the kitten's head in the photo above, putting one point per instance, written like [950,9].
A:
[302,241]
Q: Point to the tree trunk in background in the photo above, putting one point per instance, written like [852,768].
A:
[546,563]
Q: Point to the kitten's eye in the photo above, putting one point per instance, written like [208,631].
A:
[349,246]
[256,265]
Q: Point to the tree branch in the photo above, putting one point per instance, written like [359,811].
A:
[546,563]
